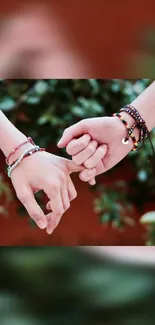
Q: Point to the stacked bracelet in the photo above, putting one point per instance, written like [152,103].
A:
[29,140]
[18,161]
[129,132]
[139,123]
[29,154]
[25,154]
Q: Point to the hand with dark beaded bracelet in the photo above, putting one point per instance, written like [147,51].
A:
[142,134]
[141,124]
[129,132]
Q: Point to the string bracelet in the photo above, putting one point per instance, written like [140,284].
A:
[129,132]
[18,161]
[29,140]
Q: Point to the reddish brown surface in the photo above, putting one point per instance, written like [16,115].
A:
[105,32]
[79,226]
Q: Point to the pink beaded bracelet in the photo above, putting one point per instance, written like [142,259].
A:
[17,148]
[29,154]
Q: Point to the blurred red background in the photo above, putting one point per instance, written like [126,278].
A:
[108,35]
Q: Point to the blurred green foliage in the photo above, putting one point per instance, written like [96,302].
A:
[42,109]
[50,285]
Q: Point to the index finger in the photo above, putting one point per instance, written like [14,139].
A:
[77,145]
[72,132]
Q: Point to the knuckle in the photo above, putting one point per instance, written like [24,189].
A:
[56,222]
[23,196]
[75,159]
[54,187]
[83,142]
[62,178]
[91,148]
[87,164]
[35,216]
[75,195]
[69,149]
[66,131]
[59,212]
[67,206]
[82,122]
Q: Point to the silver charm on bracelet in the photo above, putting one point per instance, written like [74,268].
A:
[11,168]
[125,141]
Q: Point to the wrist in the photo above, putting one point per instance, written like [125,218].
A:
[130,120]
[10,142]
[20,151]
[10,136]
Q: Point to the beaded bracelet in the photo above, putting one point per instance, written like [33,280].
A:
[18,161]
[17,148]
[141,124]
[129,132]
[29,154]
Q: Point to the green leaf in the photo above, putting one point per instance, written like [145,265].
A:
[95,85]
[105,218]
[142,175]
[32,100]
[78,111]
[41,87]
[7,104]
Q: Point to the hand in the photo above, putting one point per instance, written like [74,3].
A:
[107,131]
[50,173]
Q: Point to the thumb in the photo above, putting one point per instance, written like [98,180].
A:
[70,133]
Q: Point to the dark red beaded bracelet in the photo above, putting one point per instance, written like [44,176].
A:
[29,154]
[141,124]
[129,132]
[29,140]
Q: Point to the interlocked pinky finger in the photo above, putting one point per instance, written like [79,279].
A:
[92,181]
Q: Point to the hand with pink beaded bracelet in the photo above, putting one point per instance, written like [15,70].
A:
[41,171]
[28,140]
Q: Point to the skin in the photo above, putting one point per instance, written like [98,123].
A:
[41,171]
[107,131]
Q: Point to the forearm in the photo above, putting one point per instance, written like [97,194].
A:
[10,136]
[145,105]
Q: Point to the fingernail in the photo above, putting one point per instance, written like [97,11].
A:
[93,182]
[49,232]
[42,224]
[90,172]
[59,142]
[104,146]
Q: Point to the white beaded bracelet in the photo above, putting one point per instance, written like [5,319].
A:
[11,168]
